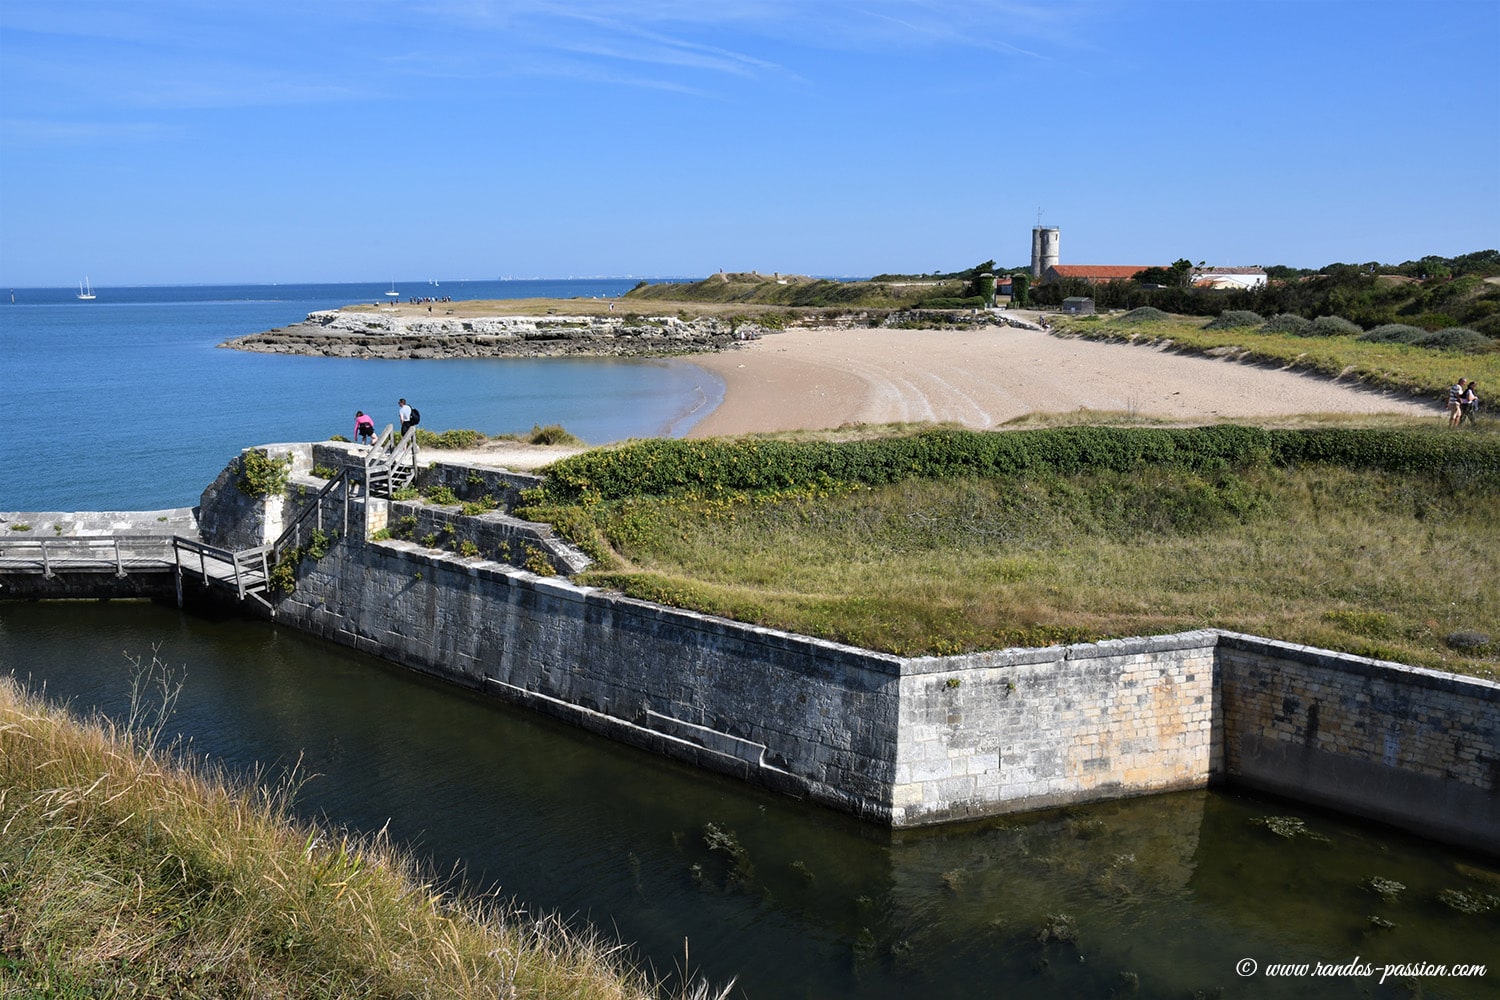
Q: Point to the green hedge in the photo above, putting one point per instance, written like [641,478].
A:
[668,467]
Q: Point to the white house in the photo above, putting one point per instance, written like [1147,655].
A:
[1228,277]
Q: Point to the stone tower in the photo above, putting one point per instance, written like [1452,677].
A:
[1044,243]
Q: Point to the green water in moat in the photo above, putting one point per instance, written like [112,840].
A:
[1153,897]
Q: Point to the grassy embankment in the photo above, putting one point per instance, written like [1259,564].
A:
[1397,367]
[774,300]
[125,872]
[1377,542]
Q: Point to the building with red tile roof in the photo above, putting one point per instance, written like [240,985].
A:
[1092,273]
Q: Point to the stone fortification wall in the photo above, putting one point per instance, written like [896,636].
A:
[231,520]
[500,485]
[1021,729]
[495,536]
[1411,747]
[801,715]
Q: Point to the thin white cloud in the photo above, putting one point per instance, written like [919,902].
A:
[19,132]
[187,54]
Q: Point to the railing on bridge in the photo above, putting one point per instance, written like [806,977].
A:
[246,571]
[119,554]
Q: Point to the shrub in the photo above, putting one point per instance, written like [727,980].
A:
[1331,326]
[947,302]
[319,543]
[1456,338]
[284,573]
[1394,333]
[538,562]
[552,434]
[483,505]
[1233,319]
[1285,323]
[441,495]
[1145,314]
[452,440]
[675,467]
[324,472]
[261,475]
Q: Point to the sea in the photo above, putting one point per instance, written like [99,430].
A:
[126,401]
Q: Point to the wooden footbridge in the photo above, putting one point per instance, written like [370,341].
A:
[39,565]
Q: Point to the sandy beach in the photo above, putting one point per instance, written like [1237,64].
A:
[818,379]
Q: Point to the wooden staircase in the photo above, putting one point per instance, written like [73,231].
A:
[391,462]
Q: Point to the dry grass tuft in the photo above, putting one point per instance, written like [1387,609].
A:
[125,870]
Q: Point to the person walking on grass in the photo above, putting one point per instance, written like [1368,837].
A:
[1455,401]
[1469,404]
[405,412]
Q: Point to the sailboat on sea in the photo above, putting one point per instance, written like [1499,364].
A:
[86,291]
[393,293]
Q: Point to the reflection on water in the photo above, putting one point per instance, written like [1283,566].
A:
[1159,896]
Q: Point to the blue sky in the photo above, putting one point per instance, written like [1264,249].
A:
[179,141]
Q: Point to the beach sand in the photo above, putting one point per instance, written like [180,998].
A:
[825,378]
[816,379]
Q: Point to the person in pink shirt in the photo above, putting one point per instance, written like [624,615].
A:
[364,427]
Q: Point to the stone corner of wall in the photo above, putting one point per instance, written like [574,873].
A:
[1135,645]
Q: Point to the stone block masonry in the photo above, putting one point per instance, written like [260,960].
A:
[1030,728]
[798,714]
[1414,748]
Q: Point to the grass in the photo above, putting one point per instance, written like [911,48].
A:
[1391,565]
[1403,368]
[126,870]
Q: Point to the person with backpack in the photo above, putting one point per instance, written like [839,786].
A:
[410,416]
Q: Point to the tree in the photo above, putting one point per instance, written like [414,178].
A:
[1020,284]
[1154,276]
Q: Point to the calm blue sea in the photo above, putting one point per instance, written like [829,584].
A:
[126,403]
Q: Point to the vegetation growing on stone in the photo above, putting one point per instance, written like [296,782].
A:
[261,475]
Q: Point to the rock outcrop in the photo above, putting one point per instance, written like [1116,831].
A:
[350,334]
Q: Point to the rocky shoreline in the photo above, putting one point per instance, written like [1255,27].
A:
[353,334]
